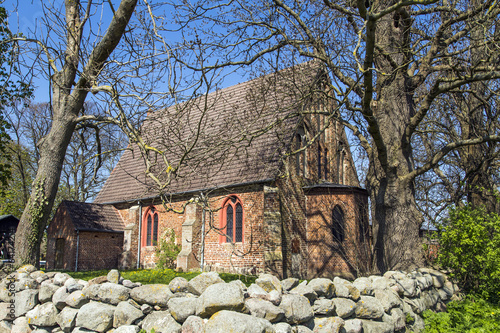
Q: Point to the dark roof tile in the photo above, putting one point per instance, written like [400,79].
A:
[234,143]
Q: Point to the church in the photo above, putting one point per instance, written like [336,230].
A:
[257,177]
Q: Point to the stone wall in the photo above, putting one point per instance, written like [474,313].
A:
[34,301]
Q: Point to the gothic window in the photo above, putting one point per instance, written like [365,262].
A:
[338,224]
[232,220]
[150,227]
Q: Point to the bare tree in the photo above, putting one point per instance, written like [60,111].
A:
[73,71]
[388,61]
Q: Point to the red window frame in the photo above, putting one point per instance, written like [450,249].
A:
[149,227]
[230,209]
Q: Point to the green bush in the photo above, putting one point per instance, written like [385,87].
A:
[468,315]
[167,250]
[470,249]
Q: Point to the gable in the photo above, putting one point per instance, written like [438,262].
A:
[235,135]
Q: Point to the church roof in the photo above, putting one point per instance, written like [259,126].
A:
[235,135]
[93,217]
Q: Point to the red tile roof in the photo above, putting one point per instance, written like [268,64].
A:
[93,217]
[235,142]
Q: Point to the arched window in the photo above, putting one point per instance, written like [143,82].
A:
[338,224]
[150,228]
[232,221]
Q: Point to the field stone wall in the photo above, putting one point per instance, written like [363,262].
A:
[34,301]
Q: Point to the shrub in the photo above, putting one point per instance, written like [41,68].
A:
[167,250]
[470,249]
[468,315]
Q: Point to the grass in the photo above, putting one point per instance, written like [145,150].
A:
[164,276]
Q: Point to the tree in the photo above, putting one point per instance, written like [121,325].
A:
[389,62]
[72,78]
[10,90]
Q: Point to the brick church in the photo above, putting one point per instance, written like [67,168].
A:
[266,183]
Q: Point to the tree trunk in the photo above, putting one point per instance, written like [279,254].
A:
[396,219]
[37,212]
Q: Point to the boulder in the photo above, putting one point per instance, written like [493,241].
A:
[7,311]
[256,291]
[66,319]
[7,290]
[380,282]
[408,286]
[288,284]
[96,316]
[369,307]
[328,324]
[364,285]
[46,292]
[113,293]
[92,291]
[76,299]
[323,287]
[25,300]
[127,329]
[98,280]
[152,294]
[43,315]
[25,284]
[27,269]
[59,297]
[74,287]
[264,309]
[161,322]
[5,327]
[370,326]
[353,326]
[126,314]
[297,308]
[324,307]
[305,290]
[129,284]
[179,284]
[388,298]
[60,278]
[269,282]
[193,324]
[198,284]
[344,307]
[228,321]
[20,325]
[282,328]
[182,307]
[220,296]
[396,318]
[113,276]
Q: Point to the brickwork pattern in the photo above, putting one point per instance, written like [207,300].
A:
[61,227]
[99,250]
[328,256]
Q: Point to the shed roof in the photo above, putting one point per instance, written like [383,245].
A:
[238,135]
[93,217]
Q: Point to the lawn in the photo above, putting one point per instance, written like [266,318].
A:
[150,276]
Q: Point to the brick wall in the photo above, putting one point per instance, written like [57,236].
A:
[246,256]
[328,256]
[61,227]
[99,250]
